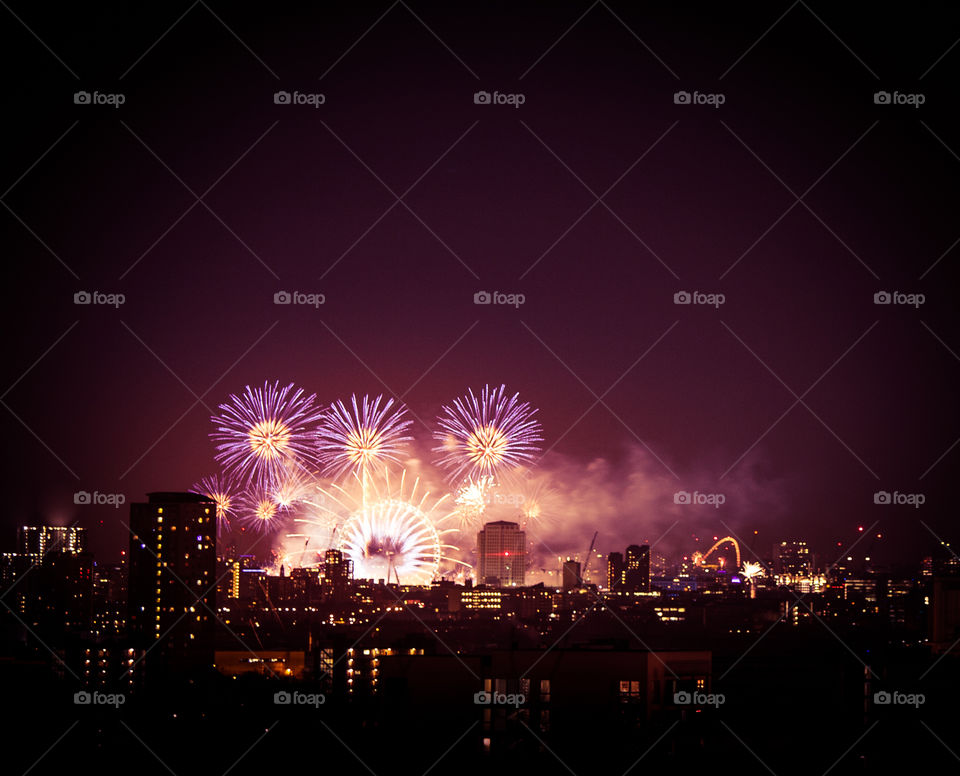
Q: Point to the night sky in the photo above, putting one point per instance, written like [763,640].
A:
[598,199]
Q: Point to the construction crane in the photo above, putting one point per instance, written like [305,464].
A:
[586,562]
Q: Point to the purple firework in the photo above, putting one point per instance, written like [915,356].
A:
[223,492]
[362,436]
[263,431]
[479,437]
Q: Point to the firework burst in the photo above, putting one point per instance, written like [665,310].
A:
[222,491]
[541,501]
[392,532]
[259,512]
[262,432]
[361,437]
[294,486]
[479,437]
[751,570]
[471,503]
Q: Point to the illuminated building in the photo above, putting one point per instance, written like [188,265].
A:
[110,666]
[671,613]
[945,614]
[501,554]
[481,598]
[305,583]
[616,569]
[802,583]
[61,592]
[171,579]
[337,570]
[792,557]
[637,573]
[109,601]
[39,540]
[266,661]
[571,574]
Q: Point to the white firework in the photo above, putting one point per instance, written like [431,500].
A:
[751,570]
[397,536]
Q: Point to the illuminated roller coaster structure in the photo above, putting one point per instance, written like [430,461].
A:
[700,558]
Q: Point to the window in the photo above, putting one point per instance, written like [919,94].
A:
[629,690]
[545,691]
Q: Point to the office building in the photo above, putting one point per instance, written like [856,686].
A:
[571,574]
[792,557]
[616,569]
[637,573]
[501,554]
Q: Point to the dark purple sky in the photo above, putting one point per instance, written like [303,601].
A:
[500,208]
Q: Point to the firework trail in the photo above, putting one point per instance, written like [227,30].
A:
[222,491]
[262,432]
[369,436]
[479,437]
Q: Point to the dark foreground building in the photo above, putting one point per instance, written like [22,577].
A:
[172,583]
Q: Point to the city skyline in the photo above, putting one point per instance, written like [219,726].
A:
[419,387]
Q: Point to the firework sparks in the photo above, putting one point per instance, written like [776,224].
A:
[392,540]
[538,501]
[471,501]
[398,535]
[479,437]
[222,491]
[264,431]
[260,513]
[366,437]
[751,570]
[294,487]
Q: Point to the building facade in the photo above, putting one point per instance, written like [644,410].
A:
[501,554]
